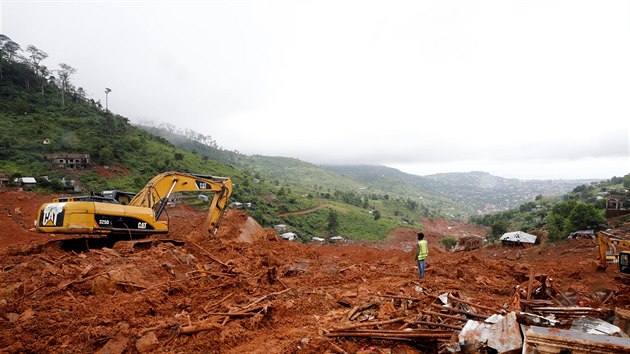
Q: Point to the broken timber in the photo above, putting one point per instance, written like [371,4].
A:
[393,334]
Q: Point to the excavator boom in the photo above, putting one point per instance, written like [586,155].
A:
[613,250]
[91,215]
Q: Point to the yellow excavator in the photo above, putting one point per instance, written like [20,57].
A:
[614,250]
[140,216]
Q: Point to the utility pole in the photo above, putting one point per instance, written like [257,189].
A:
[107,91]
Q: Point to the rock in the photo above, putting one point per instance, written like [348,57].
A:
[460,273]
[147,343]
[116,345]
[349,294]
[102,285]
[12,317]
[26,315]
[8,292]
[17,347]
[127,273]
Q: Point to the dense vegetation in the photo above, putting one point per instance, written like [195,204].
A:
[581,209]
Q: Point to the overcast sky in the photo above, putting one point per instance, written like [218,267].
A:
[520,89]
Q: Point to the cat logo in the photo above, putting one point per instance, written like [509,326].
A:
[52,213]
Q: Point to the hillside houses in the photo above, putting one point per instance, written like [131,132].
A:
[617,204]
[68,160]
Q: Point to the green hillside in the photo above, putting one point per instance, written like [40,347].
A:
[298,174]
[34,125]
[449,195]
[396,182]
[44,113]
[458,194]
[557,216]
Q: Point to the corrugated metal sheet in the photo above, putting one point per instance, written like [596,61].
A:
[518,236]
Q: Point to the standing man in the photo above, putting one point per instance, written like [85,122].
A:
[422,251]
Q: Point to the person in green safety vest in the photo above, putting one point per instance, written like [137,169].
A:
[422,251]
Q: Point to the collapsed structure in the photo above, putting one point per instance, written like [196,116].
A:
[518,238]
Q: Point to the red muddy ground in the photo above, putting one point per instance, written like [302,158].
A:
[245,291]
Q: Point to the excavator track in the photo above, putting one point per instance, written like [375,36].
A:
[84,243]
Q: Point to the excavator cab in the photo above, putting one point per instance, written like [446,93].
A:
[121,197]
[624,262]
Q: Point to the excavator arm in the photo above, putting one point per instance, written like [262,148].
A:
[141,215]
[610,248]
[156,193]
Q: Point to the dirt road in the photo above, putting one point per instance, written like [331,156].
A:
[303,212]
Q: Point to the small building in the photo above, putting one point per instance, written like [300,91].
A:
[336,239]
[26,181]
[616,205]
[203,198]
[289,236]
[517,238]
[280,227]
[175,198]
[67,160]
[4,180]
[582,234]
[236,205]
[318,239]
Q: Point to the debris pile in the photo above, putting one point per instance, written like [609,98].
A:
[428,320]
[468,243]
[248,291]
[539,295]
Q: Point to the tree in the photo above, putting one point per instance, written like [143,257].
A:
[569,216]
[412,204]
[37,55]
[8,49]
[584,216]
[333,222]
[449,242]
[81,93]
[64,73]
[44,73]
[498,228]
[3,40]
[563,209]
[555,226]
[106,155]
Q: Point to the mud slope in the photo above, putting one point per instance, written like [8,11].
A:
[245,291]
